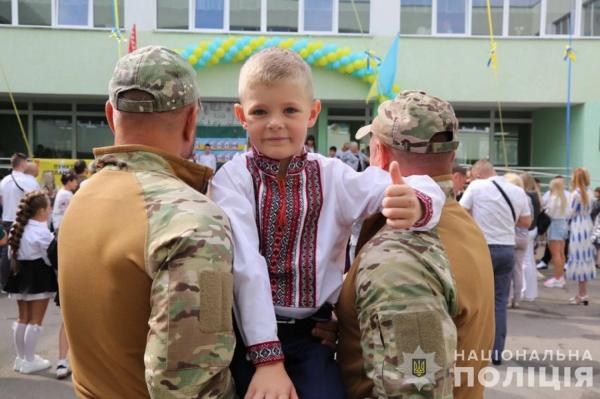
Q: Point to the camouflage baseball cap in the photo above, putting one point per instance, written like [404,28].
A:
[158,71]
[409,122]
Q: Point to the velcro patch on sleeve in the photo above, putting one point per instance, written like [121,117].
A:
[216,301]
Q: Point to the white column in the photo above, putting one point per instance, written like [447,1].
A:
[384,17]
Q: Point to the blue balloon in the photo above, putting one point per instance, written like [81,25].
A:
[310,59]
[318,53]
[206,56]
[186,53]
[345,60]
[213,46]
[234,49]
[228,57]
[246,40]
[335,64]
[330,47]
[356,56]
[299,45]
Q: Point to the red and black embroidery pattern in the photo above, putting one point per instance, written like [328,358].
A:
[287,214]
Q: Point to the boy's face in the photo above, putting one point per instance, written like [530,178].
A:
[277,117]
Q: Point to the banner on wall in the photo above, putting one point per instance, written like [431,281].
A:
[224,148]
[57,167]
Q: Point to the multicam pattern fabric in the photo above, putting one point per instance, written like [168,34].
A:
[405,299]
[157,71]
[409,121]
[287,224]
[189,259]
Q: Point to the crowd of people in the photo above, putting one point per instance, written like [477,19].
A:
[31,217]
[190,282]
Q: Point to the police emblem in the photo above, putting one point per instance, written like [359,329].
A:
[419,368]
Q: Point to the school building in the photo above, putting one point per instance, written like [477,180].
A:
[58,55]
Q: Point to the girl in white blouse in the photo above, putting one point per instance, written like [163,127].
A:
[32,281]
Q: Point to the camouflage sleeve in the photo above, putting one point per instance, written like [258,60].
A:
[190,340]
[404,297]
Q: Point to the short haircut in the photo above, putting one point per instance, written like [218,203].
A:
[459,169]
[67,177]
[310,137]
[17,159]
[207,145]
[275,65]
[333,148]
[80,166]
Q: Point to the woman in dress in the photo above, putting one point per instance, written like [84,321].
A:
[582,254]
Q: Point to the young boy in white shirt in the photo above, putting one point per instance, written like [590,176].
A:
[292,214]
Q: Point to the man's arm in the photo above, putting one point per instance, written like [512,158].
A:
[524,221]
[405,301]
[190,340]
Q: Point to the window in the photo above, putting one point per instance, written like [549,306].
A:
[354,16]
[5,12]
[35,12]
[451,16]
[104,14]
[92,132]
[558,17]
[318,15]
[209,14]
[474,141]
[590,18]
[72,12]
[244,15]
[282,16]
[52,136]
[172,14]
[12,140]
[479,17]
[524,17]
[415,17]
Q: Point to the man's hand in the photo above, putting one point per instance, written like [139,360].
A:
[271,381]
[327,332]
[400,205]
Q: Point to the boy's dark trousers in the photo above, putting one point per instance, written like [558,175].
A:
[310,364]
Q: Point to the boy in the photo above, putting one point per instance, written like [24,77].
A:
[292,214]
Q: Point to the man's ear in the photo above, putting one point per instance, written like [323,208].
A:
[189,131]
[238,110]
[315,109]
[109,112]
[386,158]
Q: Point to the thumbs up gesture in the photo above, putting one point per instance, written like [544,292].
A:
[400,205]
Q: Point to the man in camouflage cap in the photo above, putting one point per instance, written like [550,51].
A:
[147,295]
[411,299]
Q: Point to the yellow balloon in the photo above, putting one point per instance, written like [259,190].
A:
[247,51]
[349,68]
[347,50]
[332,57]
[319,44]
[304,53]
[370,78]
[220,52]
[193,59]
[322,61]
[357,64]
[230,41]
[395,88]
[261,40]
[212,61]
[226,46]
[311,46]
[198,51]
[203,45]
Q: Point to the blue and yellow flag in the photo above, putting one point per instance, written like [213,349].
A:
[384,83]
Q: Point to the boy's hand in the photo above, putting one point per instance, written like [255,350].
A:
[327,332]
[401,206]
[271,381]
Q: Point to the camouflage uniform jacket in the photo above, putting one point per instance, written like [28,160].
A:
[406,298]
[158,258]
[401,290]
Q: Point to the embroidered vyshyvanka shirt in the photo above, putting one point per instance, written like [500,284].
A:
[290,234]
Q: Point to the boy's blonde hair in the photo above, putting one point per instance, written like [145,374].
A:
[274,65]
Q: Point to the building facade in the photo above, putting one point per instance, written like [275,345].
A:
[58,56]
